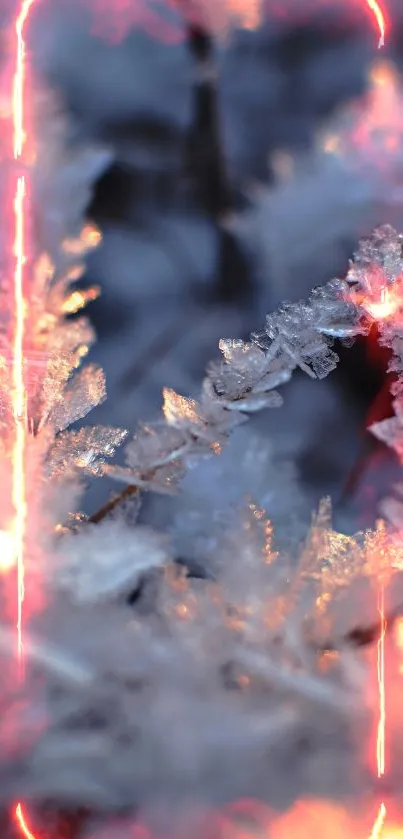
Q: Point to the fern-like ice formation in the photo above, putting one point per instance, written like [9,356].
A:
[202,688]
[59,391]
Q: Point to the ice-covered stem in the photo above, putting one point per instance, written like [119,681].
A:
[299,335]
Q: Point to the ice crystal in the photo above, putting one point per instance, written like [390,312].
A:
[84,450]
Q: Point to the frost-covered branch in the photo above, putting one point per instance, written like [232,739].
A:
[298,336]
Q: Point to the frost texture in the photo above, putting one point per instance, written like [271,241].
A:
[188,687]
[162,689]
[58,392]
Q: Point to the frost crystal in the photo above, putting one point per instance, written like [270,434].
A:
[85,450]
[302,333]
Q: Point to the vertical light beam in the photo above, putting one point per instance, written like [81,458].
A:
[18,401]
[377,829]
[380,20]
[18,385]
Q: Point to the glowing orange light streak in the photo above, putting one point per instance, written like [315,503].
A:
[380,20]
[21,822]
[376,831]
[19,79]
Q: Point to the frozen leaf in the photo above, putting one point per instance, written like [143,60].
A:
[215,410]
[246,358]
[84,450]
[204,422]
[243,367]
[51,393]
[164,479]
[86,391]
[154,446]
[228,382]
[179,411]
